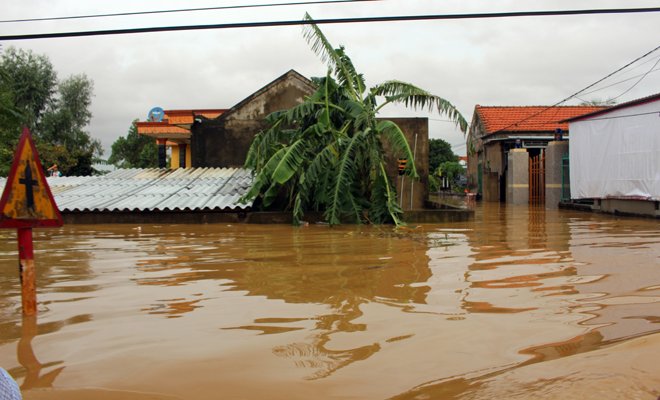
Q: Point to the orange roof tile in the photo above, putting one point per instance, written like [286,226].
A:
[529,118]
[159,127]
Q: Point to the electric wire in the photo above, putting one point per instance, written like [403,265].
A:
[331,21]
[617,83]
[640,79]
[625,116]
[181,10]
[577,93]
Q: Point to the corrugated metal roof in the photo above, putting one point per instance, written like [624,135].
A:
[183,189]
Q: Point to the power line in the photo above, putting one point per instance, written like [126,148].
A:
[331,21]
[617,83]
[445,120]
[625,116]
[181,10]
[640,79]
[577,93]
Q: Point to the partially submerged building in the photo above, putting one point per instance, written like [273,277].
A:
[221,138]
[615,157]
[492,138]
[173,131]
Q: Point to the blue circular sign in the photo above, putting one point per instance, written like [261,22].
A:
[156,114]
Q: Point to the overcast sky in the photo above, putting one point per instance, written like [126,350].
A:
[491,62]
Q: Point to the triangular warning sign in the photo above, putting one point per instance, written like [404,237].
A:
[27,201]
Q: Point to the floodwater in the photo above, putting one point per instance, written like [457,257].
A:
[519,304]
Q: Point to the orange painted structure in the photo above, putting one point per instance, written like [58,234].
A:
[174,132]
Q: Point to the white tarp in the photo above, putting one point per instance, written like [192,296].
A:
[617,154]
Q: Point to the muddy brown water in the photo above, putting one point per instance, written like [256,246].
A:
[521,303]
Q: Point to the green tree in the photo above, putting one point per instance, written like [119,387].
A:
[439,152]
[599,103]
[68,114]
[33,81]
[11,119]
[327,153]
[449,169]
[55,112]
[134,150]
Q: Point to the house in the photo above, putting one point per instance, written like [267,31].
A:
[221,138]
[173,131]
[492,136]
[615,157]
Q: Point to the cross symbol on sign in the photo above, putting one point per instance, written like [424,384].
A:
[29,182]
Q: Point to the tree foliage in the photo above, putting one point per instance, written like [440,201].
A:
[450,169]
[439,152]
[56,112]
[33,81]
[134,151]
[599,103]
[327,154]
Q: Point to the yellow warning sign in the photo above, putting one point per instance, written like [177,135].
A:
[27,195]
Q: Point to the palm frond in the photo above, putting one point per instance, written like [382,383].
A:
[288,161]
[341,191]
[385,208]
[398,141]
[415,97]
[322,48]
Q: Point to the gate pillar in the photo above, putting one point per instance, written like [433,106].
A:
[518,182]
[553,156]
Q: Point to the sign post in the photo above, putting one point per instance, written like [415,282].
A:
[27,203]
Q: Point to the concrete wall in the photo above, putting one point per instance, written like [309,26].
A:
[472,172]
[420,189]
[493,158]
[632,207]
[518,184]
[225,141]
[627,208]
[249,217]
[553,156]
[491,187]
[219,143]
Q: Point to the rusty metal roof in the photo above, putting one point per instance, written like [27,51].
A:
[183,189]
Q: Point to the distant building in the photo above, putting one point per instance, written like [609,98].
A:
[174,131]
[493,134]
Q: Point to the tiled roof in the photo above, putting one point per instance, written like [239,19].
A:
[529,118]
[183,189]
[160,127]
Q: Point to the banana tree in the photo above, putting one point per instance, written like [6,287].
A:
[326,154]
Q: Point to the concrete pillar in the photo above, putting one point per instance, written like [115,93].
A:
[518,184]
[182,155]
[553,156]
[162,153]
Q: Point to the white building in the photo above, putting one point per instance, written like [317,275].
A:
[615,157]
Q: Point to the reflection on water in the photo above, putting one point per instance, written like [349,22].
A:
[434,311]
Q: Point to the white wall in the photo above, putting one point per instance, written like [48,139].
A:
[617,154]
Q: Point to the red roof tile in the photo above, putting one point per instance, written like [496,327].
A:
[529,118]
